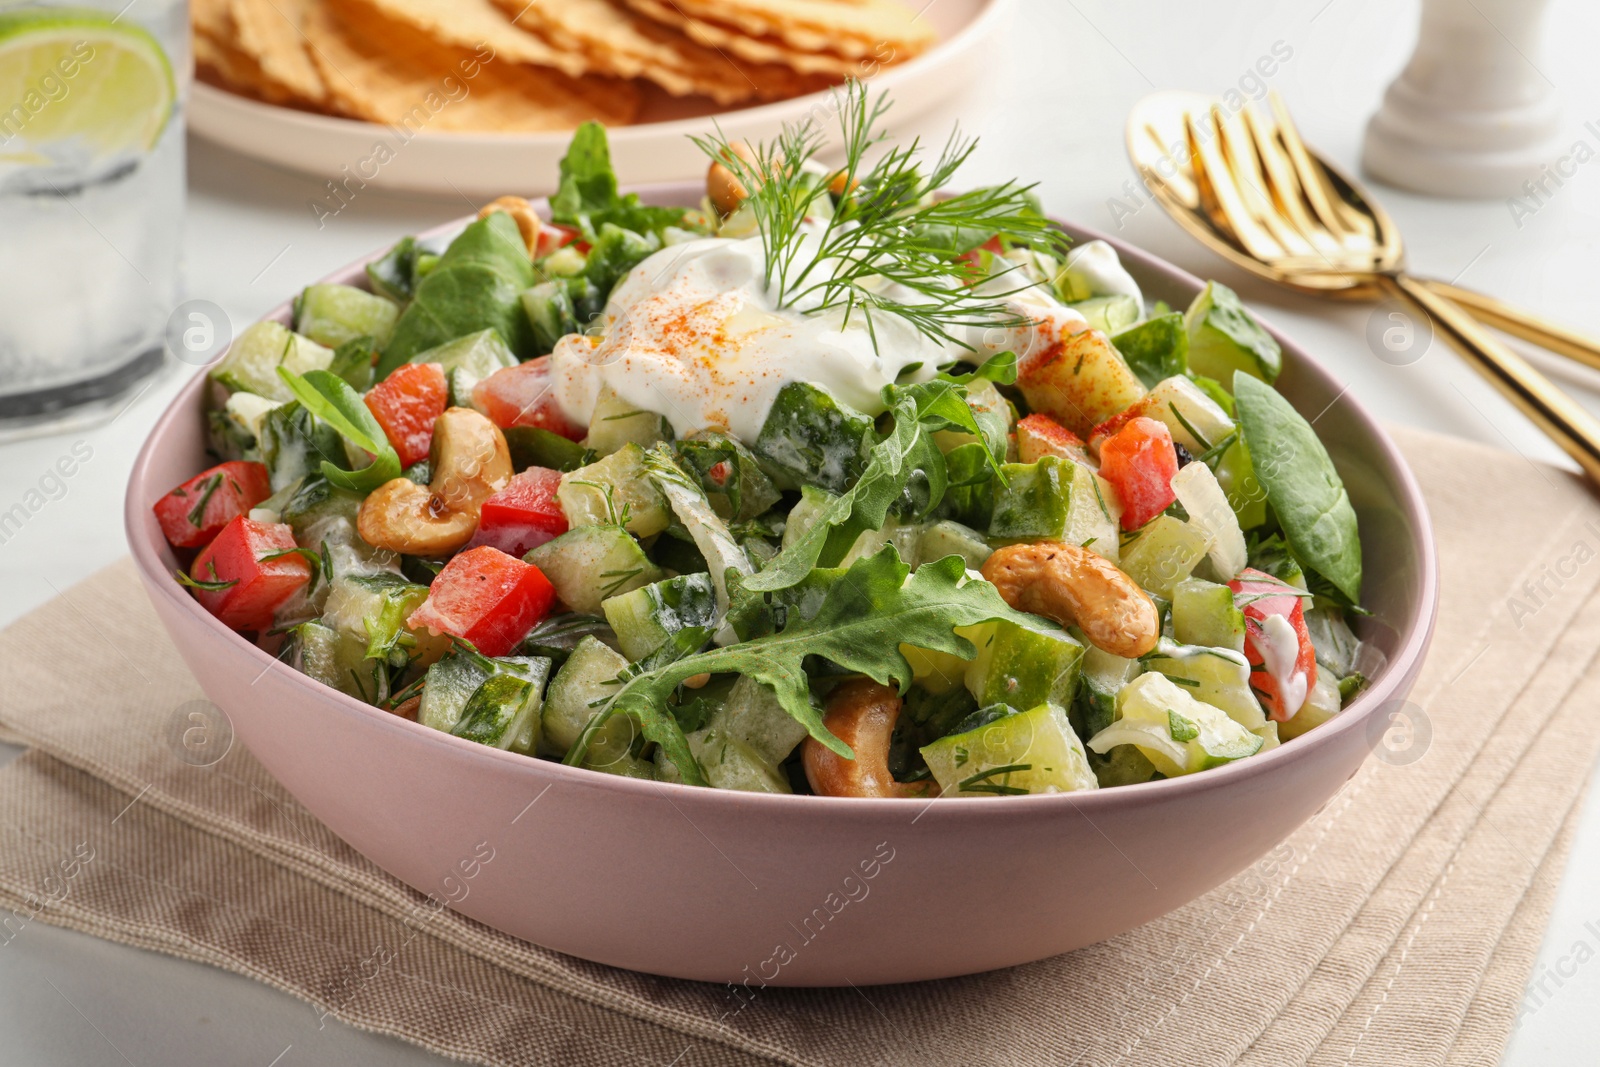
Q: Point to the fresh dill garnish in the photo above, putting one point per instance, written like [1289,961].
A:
[197,514]
[615,516]
[888,228]
[213,586]
[1205,446]
[618,580]
[980,783]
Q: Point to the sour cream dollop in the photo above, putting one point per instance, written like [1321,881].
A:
[694,333]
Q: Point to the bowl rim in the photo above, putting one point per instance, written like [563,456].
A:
[139,498]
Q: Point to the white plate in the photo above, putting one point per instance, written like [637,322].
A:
[488,164]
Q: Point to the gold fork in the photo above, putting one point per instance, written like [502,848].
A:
[1250,189]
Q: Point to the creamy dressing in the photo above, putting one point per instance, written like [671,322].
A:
[694,333]
[1097,264]
[1280,651]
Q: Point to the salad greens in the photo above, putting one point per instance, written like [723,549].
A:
[711,516]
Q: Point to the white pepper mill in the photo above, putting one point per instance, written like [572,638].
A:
[1471,115]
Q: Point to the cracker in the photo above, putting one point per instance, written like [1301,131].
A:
[389,72]
[269,32]
[623,43]
[217,62]
[762,50]
[469,23]
[850,29]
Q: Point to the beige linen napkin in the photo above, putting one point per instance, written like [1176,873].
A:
[1398,925]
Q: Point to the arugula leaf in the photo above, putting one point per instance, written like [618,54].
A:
[1000,368]
[587,196]
[861,621]
[1301,484]
[330,398]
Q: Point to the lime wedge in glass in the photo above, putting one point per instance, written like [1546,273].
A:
[74,76]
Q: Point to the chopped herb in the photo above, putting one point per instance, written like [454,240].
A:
[1180,728]
[197,514]
[1099,498]
[1205,446]
[213,586]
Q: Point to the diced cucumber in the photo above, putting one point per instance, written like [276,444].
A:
[906,537]
[645,618]
[1024,668]
[1103,676]
[1224,337]
[1033,751]
[1203,613]
[1236,474]
[1322,703]
[810,438]
[940,672]
[947,537]
[252,361]
[727,764]
[374,608]
[1113,314]
[532,446]
[1218,676]
[1268,732]
[353,360]
[1337,646]
[1195,421]
[590,563]
[753,716]
[335,659]
[480,354]
[247,411]
[550,312]
[733,481]
[451,682]
[1209,512]
[600,493]
[333,314]
[1162,553]
[1176,732]
[1156,349]
[1055,499]
[504,711]
[1123,765]
[616,423]
[294,445]
[583,683]
[315,504]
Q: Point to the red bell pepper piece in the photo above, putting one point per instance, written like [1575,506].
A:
[1139,462]
[1274,668]
[486,597]
[554,236]
[406,403]
[523,515]
[248,572]
[192,513]
[524,395]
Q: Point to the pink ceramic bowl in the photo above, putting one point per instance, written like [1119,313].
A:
[725,886]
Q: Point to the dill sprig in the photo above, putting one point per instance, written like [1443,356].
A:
[888,228]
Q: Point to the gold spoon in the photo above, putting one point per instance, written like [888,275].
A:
[1248,188]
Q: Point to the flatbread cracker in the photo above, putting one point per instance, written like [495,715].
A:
[219,63]
[849,29]
[269,32]
[763,50]
[628,45]
[391,73]
[469,23]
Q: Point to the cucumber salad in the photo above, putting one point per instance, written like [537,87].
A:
[832,483]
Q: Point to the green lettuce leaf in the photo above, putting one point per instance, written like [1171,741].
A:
[330,398]
[859,624]
[587,196]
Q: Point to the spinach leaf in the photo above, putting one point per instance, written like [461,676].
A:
[330,398]
[1301,485]
[476,285]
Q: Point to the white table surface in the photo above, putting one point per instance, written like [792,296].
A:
[1055,114]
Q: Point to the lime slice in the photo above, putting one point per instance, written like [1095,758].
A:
[71,75]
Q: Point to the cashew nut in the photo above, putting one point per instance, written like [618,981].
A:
[470,462]
[862,714]
[726,191]
[521,213]
[1074,586]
